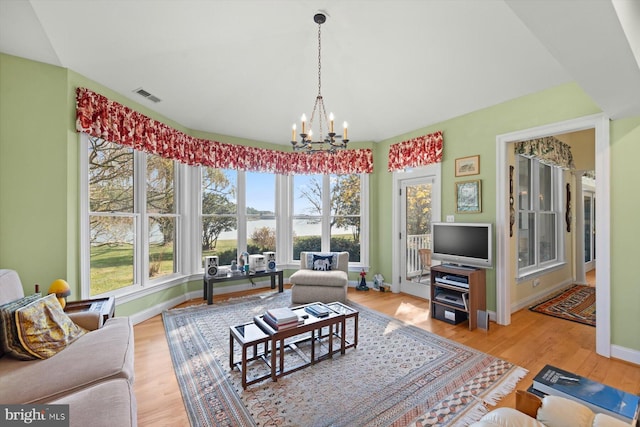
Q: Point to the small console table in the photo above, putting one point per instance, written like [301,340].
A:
[208,283]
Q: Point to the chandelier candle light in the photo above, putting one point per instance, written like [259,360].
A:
[332,141]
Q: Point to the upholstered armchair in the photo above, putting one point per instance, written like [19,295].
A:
[322,277]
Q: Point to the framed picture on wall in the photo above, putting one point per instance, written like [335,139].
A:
[469,196]
[468,166]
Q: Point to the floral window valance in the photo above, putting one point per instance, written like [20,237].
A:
[420,151]
[548,150]
[100,117]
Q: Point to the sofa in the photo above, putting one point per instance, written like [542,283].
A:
[322,277]
[93,374]
[550,411]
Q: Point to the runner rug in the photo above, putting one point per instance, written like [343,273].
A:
[578,303]
[399,375]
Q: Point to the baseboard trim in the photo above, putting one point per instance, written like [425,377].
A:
[626,354]
[150,312]
[529,301]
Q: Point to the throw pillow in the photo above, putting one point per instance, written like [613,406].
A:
[322,262]
[8,332]
[44,329]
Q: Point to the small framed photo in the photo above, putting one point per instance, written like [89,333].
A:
[468,166]
[469,196]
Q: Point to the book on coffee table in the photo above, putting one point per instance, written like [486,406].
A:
[318,310]
[282,315]
[280,325]
[598,397]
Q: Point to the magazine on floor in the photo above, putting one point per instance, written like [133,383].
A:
[598,397]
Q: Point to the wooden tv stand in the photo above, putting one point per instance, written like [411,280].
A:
[452,281]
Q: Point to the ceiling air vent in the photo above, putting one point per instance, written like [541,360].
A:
[147,95]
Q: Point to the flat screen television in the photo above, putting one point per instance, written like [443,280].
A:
[462,244]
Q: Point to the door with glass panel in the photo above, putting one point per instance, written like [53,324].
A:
[416,213]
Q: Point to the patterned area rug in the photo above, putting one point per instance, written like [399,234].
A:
[577,303]
[399,375]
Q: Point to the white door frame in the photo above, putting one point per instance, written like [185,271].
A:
[431,171]
[504,269]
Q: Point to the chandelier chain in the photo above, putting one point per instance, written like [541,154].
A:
[319,61]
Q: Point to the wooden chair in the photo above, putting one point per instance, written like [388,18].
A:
[425,260]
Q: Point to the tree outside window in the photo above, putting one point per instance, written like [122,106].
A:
[343,218]
[220,214]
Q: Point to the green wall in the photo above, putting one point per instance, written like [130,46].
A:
[39,184]
[33,171]
[625,230]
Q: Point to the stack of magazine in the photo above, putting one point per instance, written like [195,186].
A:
[598,397]
[281,318]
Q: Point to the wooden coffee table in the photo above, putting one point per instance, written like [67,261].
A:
[275,343]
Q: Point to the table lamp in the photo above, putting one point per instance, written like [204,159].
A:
[62,290]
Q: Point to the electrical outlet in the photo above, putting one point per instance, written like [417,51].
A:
[450,218]
[536,282]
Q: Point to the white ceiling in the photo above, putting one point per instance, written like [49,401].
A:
[248,68]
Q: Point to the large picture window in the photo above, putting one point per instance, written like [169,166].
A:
[145,226]
[539,214]
[132,217]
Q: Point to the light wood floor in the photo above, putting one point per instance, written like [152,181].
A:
[531,341]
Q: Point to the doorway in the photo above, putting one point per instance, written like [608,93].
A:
[417,207]
[504,275]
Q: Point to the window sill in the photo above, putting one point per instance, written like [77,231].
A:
[530,275]
[141,292]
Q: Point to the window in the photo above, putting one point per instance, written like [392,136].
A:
[327,214]
[345,224]
[261,212]
[161,216]
[132,216]
[220,214]
[539,215]
[308,206]
[238,213]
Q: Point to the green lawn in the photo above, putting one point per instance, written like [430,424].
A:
[112,266]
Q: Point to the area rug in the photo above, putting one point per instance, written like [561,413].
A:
[399,375]
[578,303]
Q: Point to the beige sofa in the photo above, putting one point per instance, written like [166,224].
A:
[552,411]
[309,285]
[93,375]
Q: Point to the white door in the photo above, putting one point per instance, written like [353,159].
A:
[416,215]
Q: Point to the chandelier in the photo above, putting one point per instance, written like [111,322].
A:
[330,142]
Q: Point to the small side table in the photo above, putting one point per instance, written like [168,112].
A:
[250,335]
[349,313]
[106,307]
